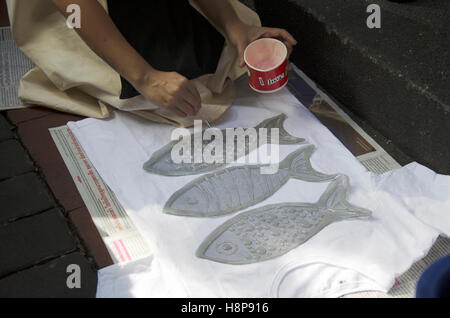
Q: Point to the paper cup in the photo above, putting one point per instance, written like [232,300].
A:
[266,61]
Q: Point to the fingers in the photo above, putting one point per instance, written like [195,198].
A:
[289,67]
[192,102]
[282,35]
[192,96]
[279,34]
[241,50]
[179,102]
[172,91]
[285,37]
[289,48]
[176,111]
[181,108]
[289,38]
[186,101]
[241,59]
[185,107]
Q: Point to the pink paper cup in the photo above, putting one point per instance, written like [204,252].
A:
[266,61]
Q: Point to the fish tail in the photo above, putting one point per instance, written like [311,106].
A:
[285,138]
[334,199]
[299,165]
[151,164]
[148,165]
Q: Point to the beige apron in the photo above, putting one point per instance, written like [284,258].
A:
[70,77]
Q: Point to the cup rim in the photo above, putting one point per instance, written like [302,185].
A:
[265,39]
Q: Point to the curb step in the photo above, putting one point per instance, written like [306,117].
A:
[394,78]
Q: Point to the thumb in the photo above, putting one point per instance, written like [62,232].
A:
[240,52]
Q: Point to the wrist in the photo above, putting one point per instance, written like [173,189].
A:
[234,27]
[142,76]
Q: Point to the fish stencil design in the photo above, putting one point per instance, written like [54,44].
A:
[161,161]
[273,230]
[236,188]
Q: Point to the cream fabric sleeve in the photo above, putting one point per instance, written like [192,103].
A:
[70,77]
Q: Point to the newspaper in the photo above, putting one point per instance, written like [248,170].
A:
[405,284]
[122,239]
[361,145]
[14,64]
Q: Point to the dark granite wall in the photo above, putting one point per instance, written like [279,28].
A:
[395,78]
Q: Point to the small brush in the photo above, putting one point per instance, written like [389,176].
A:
[205,120]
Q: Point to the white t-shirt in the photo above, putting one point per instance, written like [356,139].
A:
[410,206]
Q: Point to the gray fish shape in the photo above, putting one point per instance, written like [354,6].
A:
[236,188]
[161,161]
[273,230]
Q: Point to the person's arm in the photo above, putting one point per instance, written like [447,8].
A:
[222,14]
[167,89]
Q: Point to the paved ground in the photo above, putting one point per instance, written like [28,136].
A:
[44,224]
[42,231]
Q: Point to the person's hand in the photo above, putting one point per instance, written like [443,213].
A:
[241,35]
[171,91]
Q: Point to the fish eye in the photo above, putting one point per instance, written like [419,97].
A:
[191,200]
[226,248]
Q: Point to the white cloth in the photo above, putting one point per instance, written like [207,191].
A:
[410,207]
